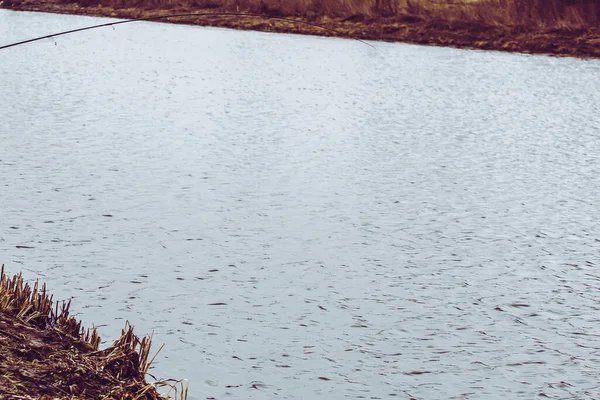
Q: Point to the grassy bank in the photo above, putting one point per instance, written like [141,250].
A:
[574,14]
[559,27]
[46,354]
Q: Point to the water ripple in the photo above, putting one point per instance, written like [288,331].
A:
[306,217]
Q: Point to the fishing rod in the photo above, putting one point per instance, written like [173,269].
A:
[158,17]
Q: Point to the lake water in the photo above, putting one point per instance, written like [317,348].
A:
[309,218]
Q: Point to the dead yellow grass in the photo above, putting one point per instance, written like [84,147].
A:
[46,354]
[558,27]
[530,13]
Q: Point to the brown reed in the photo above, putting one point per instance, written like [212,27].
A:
[45,352]
[522,13]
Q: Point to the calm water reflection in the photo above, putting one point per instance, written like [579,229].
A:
[409,222]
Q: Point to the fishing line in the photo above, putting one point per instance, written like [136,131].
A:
[230,14]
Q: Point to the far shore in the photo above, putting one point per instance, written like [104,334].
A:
[583,43]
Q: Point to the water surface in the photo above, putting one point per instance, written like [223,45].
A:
[303,217]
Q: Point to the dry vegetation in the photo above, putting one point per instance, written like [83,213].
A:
[559,27]
[46,354]
[524,13]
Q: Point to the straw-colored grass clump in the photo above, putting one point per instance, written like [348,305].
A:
[46,354]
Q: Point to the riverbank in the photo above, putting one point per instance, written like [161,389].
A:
[414,25]
[46,354]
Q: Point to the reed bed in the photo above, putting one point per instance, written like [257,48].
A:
[557,27]
[514,13]
[46,353]
[523,14]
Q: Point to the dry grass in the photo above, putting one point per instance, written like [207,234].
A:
[529,14]
[45,353]
[558,27]
[522,13]
[34,306]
